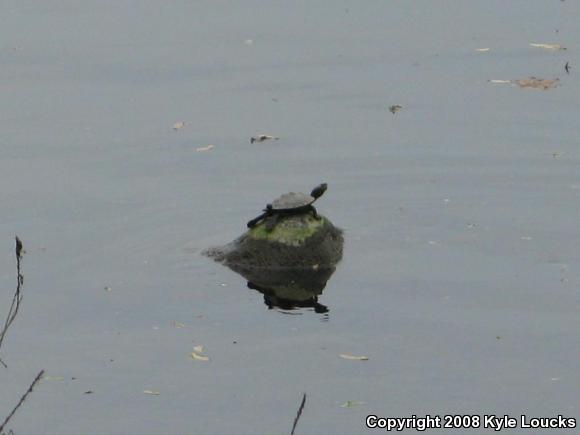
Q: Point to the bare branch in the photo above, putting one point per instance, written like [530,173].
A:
[21,401]
[17,298]
[298,414]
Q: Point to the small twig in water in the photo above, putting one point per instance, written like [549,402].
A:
[298,414]
[17,298]
[22,399]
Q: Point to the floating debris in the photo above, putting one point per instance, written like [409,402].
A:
[178,125]
[197,357]
[205,148]
[531,82]
[108,289]
[548,46]
[262,138]
[354,357]
[394,109]
[536,83]
[483,50]
[53,378]
[197,354]
[351,403]
[152,393]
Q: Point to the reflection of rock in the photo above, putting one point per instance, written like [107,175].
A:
[288,288]
[288,262]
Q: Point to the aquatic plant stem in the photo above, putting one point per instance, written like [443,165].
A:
[17,298]
[298,414]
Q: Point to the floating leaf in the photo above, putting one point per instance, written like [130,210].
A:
[199,357]
[178,125]
[203,149]
[354,357]
[548,46]
[351,403]
[52,378]
[531,82]
[535,83]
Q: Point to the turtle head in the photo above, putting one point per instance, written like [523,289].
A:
[318,191]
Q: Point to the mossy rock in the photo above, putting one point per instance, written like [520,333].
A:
[299,241]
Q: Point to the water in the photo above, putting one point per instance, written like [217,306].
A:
[460,278]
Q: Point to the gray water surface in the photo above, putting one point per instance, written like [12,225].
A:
[460,277]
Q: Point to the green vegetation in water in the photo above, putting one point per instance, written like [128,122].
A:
[290,231]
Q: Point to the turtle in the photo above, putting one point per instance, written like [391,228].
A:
[290,204]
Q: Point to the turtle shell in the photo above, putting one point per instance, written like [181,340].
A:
[292,200]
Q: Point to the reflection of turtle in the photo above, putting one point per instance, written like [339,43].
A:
[272,300]
[290,204]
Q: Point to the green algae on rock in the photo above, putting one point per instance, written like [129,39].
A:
[292,232]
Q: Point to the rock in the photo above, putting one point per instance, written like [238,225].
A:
[296,241]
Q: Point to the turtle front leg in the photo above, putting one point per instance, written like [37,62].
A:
[254,222]
[314,212]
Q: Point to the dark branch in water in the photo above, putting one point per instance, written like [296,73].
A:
[298,414]
[21,401]
[17,298]
[14,307]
